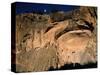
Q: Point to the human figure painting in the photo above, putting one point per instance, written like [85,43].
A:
[52,37]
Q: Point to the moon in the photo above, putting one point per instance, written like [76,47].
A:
[45,10]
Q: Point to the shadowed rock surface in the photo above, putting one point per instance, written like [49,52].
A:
[50,41]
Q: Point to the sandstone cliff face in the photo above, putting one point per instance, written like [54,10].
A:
[44,41]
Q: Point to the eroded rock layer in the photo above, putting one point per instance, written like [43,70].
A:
[45,40]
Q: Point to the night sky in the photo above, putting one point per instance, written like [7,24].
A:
[24,7]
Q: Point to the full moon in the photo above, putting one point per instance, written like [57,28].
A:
[45,10]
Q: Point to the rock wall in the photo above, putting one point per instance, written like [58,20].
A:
[44,41]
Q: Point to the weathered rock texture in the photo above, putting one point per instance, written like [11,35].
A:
[55,39]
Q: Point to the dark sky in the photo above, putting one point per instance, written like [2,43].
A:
[24,7]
